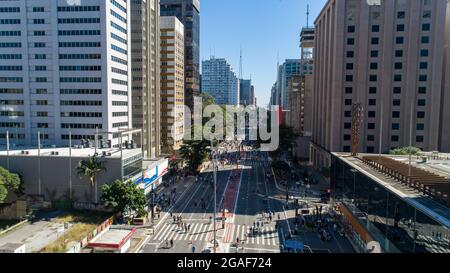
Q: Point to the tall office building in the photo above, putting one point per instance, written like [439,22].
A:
[188,12]
[274,95]
[245,92]
[64,68]
[294,114]
[220,81]
[389,58]
[145,61]
[172,83]
[289,68]
[307,80]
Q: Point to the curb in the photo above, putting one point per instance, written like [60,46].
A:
[13,227]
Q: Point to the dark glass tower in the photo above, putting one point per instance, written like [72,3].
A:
[188,12]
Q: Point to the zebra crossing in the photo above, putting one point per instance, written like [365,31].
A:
[433,245]
[199,232]
[267,236]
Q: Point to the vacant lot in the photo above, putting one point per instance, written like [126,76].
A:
[81,223]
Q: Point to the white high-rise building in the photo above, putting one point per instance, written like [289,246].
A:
[64,67]
[219,81]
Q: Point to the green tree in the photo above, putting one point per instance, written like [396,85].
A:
[194,153]
[120,196]
[9,182]
[91,169]
[287,140]
[405,151]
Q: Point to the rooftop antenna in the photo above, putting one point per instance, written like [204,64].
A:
[240,64]
[307,16]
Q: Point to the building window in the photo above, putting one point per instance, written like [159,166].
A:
[375,28]
[426,27]
[373,78]
[419,139]
[348,102]
[400,28]
[421,102]
[348,114]
[423,65]
[395,114]
[370,149]
[347,125]
[422,90]
[401,15]
[351,29]
[395,126]
[397,78]
[371,114]
[420,126]
[424,53]
[348,90]
[350,54]
[421,114]
[425,39]
[399,53]
[372,102]
[422,78]
[375,41]
[399,40]
[349,66]
[347,137]
[350,41]
[372,90]
[394,138]
[398,65]
[374,53]
[396,102]
[397,90]
[349,78]
[371,126]
[374,66]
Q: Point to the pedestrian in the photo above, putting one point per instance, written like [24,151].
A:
[171,243]
[193,249]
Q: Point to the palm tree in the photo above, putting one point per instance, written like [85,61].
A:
[91,168]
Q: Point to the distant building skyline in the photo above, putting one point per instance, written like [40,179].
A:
[220,81]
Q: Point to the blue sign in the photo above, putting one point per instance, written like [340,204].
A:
[291,244]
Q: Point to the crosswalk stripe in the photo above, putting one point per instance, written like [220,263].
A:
[163,232]
[267,237]
[194,231]
[166,234]
[274,235]
[202,233]
[232,233]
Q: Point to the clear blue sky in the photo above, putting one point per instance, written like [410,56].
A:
[262,27]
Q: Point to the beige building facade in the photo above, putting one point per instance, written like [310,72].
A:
[146,74]
[172,83]
[390,58]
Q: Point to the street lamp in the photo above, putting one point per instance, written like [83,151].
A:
[215,194]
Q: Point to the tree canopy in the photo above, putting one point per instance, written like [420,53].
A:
[9,182]
[405,151]
[120,196]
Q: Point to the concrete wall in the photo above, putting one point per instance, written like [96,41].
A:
[55,176]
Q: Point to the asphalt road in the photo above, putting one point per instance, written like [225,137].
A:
[256,194]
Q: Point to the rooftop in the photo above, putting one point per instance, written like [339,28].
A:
[112,238]
[65,152]
[427,188]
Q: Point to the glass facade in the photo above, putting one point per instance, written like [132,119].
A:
[395,222]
